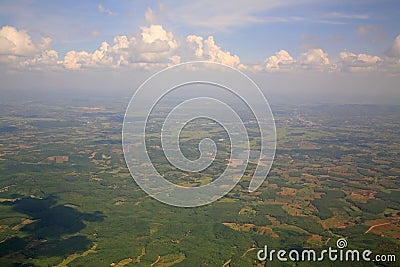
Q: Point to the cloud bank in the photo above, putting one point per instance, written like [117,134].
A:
[154,47]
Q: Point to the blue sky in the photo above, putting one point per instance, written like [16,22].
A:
[258,37]
[285,25]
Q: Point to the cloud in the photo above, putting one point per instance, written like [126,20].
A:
[156,33]
[254,67]
[149,16]
[394,49]
[96,32]
[282,60]
[308,38]
[214,53]
[19,43]
[104,10]
[75,60]
[17,49]
[153,46]
[46,59]
[105,56]
[195,44]
[392,59]
[218,16]
[359,62]
[314,59]
[156,45]
[207,49]
[330,38]
[338,18]
[371,32]
[347,16]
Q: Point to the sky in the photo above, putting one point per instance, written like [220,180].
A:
[302,49]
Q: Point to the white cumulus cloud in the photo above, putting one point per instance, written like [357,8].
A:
[46,59]
[153,46]
[156,33]
[215,53]
[195,44]
[75,60]
[19,43]
[207,49]
[19,50]
[282,60]
[314,59]
[359,62]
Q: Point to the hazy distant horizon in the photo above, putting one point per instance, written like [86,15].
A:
[291,88]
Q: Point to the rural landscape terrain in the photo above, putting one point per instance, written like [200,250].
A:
[68,199]
[118,119]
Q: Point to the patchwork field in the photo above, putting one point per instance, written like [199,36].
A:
[67,198]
